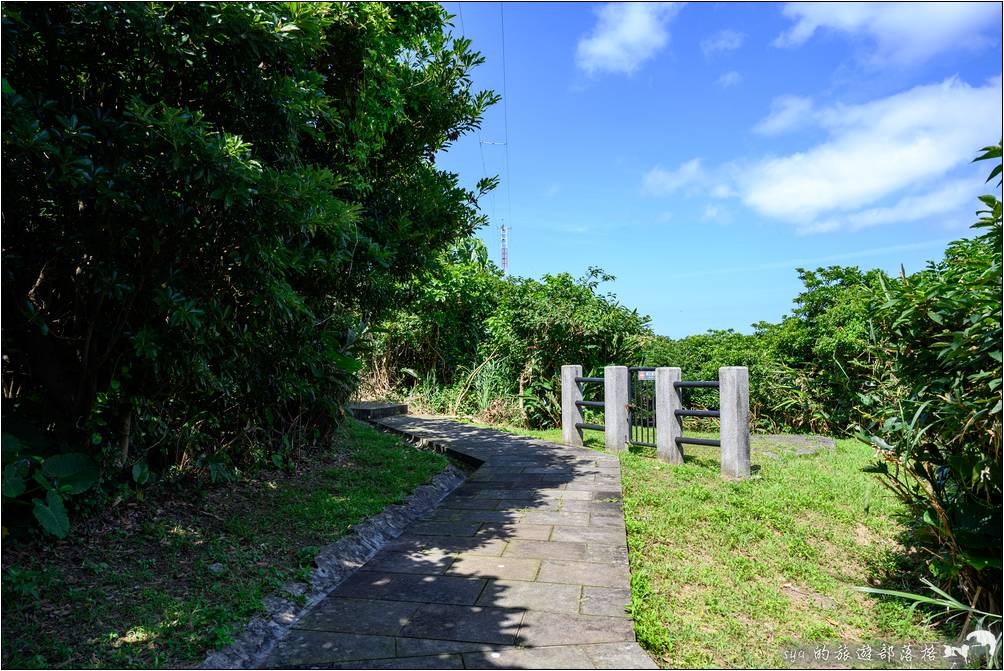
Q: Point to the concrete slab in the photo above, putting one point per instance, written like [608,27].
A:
[405,587]
[426,662]
[301,648]
[540,628]
[608,601]
[604,535]
[465,623]
[550,597]
[546,550]
[565,519]
[358,616]
[583,573]
[412,647]
[559,657]
[625,655]
[482,545]
[540,532]
[495,567]
[432,562]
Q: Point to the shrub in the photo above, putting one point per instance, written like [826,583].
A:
[933,410]
[202,203]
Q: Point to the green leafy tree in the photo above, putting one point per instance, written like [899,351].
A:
[474,342]
[202,204]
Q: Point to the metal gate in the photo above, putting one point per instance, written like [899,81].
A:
[641,405]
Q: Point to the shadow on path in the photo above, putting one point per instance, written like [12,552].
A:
[522,566]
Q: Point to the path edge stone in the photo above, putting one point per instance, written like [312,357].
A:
[333,565]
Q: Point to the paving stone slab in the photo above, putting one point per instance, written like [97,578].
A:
[482,545]
[465,623]
[358,616]
[607,554]
[602,507]
[495,567]
[527,505]
[540,628]
[479,516]
[583,573]
[431,562]
[559,657]
[569,471]
[497,493]
[417,647]
[406,587]
[551,597]
[445,528]
[565,494]
[468,503]
[540,532]
[606,520]
[546,550]
[426,662]
[301,647]
[625,655]
[604,535]
[609,601]
[565,519]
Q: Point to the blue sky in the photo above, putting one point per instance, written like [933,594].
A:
[701,152]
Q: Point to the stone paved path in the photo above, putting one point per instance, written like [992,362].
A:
[523,566]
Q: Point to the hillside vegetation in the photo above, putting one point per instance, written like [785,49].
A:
[910,365]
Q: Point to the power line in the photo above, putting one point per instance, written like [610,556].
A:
[481,140]
[505,110]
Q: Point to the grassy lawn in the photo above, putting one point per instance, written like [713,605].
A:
[160,582]
[727,573]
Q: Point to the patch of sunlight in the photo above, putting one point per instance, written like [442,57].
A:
[182,532]
[135,635]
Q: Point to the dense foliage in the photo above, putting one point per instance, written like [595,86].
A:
[933,405]
[202,203]
[806,370]
[473,342]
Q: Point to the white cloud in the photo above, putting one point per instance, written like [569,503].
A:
[903,33]
[661,182]
[625,36]
[729,79]
[788,264]
[723,40]
[786,113]
[949,200]
[722,191]
[887,148]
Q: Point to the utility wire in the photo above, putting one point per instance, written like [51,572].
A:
[505,110]
[481,141]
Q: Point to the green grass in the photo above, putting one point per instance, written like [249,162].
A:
[725,574]
[135,588]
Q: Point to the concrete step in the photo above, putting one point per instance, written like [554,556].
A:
[370,410]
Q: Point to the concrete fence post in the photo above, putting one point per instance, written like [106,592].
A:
[571,414]
[668,427]
[615,407]
[734,386]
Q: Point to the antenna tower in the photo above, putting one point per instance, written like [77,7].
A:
[504,248]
